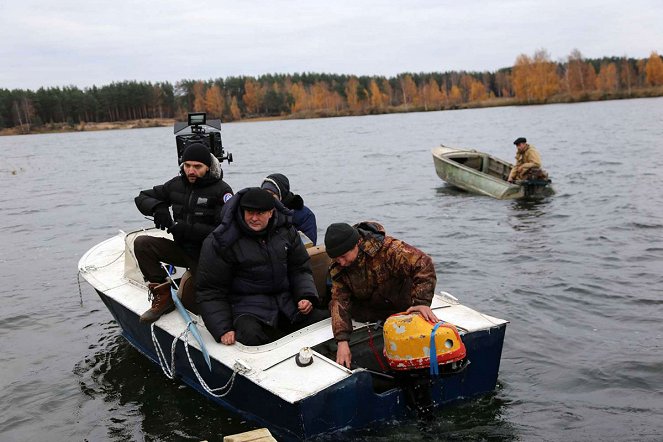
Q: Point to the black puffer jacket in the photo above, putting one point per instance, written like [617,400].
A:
[198,205]
[244,272]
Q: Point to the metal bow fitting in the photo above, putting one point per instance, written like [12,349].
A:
[187,318]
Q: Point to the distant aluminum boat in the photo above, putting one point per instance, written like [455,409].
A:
[269,384]
[478,172]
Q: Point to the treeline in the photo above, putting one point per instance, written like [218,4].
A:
[532,79]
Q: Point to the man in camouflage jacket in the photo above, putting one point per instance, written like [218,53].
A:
[373,276]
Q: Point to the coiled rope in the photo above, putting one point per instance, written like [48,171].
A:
[169,370]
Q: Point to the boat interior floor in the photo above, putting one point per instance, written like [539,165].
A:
[485,164]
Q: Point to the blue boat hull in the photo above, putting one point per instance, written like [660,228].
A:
[350,403]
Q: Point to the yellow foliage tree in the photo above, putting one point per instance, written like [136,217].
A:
[455,96]
[377,100]
[199,96]
[301,98]
[431,95]
[388,91]
[320,96]
[654,70]
[606,81]
[478,91]
[409,90]
[535,79]
[351,94]
[214,102]
[252,97]
[235,112]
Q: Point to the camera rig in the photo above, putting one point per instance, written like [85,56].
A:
[194,131]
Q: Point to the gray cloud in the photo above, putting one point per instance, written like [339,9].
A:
[74,42]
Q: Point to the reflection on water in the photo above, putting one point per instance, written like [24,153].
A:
[117,374]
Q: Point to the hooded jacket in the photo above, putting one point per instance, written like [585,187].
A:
[388,276]
[242,272]
[303,218]
[198,205]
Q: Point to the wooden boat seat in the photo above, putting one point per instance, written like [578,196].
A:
[320,262]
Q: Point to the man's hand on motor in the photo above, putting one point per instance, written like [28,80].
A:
[424,311]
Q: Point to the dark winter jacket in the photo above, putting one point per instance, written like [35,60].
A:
[388,276]
[198,205]
[242,272]
[303,218]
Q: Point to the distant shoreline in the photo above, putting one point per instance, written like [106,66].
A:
[54,128]
[169,122]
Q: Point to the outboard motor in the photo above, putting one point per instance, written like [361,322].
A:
[412,345]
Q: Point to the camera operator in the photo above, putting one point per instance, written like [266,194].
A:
[196,196]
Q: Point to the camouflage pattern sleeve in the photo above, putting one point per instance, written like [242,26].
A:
[408,261]
[339,307]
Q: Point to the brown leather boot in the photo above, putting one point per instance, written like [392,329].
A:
[162,302]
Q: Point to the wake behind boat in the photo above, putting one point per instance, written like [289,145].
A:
[479,172]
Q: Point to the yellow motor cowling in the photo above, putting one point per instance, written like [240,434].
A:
[407,342]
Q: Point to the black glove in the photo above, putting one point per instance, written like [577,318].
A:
[179,230]
[162,218]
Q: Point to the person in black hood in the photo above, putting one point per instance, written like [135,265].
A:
[255,282]
[303,218]
[196,196]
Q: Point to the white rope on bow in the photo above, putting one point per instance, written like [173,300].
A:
[169,371]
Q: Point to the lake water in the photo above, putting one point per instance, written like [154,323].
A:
[578,275]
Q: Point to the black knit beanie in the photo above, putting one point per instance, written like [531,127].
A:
[197,152]
[340,238]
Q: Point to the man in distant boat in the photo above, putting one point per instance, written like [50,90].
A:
[374,276]
[255,282]
[196,196]
[303,218]
[528,163]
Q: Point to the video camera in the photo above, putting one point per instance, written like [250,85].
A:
[196,122]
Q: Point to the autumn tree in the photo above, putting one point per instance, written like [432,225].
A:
[654,70]
[301,99]
[235,112]
[377,99]
[214,102]
[352,94]
[455,96]
[606,81]
[199,96]
[580,76]
[535,79]
[388,91]
[408,90]
[431,95]
[253,94]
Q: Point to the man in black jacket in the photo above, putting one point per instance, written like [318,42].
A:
[196,196]
[254,282]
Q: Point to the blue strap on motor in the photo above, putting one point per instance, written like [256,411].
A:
[434,369]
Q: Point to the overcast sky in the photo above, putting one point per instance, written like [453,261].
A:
[92,42]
